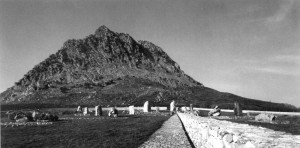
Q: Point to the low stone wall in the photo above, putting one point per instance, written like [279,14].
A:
[207,132]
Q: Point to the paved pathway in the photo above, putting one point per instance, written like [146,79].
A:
[170,135]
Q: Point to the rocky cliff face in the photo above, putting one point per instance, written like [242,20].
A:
[110,68]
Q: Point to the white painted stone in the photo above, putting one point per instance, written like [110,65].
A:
[131,110]
[172,106]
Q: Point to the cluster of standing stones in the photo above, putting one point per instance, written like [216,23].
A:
[263,117]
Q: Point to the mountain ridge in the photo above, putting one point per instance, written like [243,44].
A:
[112,68]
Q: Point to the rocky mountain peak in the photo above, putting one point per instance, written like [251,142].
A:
[103,31]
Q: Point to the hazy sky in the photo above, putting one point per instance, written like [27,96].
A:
[247,47]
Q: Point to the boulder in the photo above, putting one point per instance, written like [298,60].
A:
[264,117]
[11,115]
[20,120]
[113,112]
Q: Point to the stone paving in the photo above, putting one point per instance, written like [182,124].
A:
[170,135]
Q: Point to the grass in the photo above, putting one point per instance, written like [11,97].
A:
[72,131]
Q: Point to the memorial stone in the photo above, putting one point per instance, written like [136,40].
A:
[147,107]
[237,109]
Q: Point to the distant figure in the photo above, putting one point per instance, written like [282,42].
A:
[237,109]
[113,112]
[215,112]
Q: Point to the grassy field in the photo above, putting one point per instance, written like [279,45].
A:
[89,131]
[284,123]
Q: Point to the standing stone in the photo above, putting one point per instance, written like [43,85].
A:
[98,110]
[237,109]
[191,107]
[147,107]
[131,110]
[79,109]
[172,106]
[85,111]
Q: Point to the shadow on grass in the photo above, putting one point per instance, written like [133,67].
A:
[126,131]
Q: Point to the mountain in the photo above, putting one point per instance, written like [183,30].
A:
[110,68]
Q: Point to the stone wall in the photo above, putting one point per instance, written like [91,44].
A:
[212,133]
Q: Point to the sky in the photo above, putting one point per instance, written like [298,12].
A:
[250,48]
